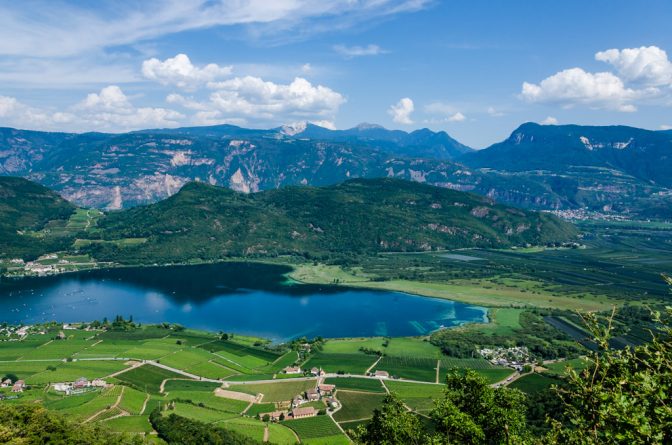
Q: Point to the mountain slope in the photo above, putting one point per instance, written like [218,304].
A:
[25,205]
[643,154]
[358,216]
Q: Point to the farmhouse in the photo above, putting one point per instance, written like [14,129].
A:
[6,383]
[292,370]
[381,374]
[331,402]
[317,372]
[312,395]
[277,416]
[63,387]
[300,413]
[61,336]
[98,383]
[81,382]
[326,389]
[298,400]
[19,386]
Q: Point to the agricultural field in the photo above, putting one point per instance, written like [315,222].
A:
[354,363]
[417,396]
[534,383]
[317,430]
[356,384]
[147,378]
[356,405]
[276,392]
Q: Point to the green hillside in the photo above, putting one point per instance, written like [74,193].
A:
[26,206]
[204,222]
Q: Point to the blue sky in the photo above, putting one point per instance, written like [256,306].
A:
[476,69]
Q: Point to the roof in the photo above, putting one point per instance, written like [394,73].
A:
[305,411]
[326,387]
[382,373]
[311,391]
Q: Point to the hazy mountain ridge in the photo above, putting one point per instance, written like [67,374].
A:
[538,167]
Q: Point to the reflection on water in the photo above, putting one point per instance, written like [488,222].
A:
[245,298]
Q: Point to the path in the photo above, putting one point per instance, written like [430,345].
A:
[144,405]
[374,365]
[116,404]
[133,366]
[510,379]
[438,366]
[265,434]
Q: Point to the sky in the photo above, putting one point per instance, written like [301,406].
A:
[476,69]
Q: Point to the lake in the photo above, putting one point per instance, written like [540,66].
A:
[244,298]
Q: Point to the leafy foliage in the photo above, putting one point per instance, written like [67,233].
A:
[32,424]
[175,429]
[358,216]
[25,205]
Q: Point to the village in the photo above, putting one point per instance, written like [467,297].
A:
[517,357]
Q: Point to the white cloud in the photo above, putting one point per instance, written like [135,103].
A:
[47,28]
[401,112]
[358,51]
[111,109]
[550,120]
[457,117]
[648,65]
[666,127]
[255,97]
[576,86]
[179,71]
[450,113]
[110,98]
[7,105]
[492,111]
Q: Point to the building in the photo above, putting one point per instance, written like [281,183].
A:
[298,400]
[318,372]
[292,370]
[326,389]
[99,383]
[312,395]
[6,383]
[301,413]
[61,336]
[81,382]
[63,387]
[19,386]
[277,416]
[331,402]
[381,374]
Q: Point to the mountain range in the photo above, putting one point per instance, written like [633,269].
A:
[205,223]
[615,169]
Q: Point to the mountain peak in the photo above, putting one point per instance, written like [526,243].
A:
[368,126]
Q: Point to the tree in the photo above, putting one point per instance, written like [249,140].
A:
[393,424]
[624,397]
[471,411]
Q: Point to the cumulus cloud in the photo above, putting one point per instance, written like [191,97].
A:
[401,112]
[492,111]
[7,105]
[179,71]
[576,86]
[111,109]
[648,65]
[358,51]
[550,120]
[457,117]
[448,112]
[255,97]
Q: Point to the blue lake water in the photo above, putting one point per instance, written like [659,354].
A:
[245,298]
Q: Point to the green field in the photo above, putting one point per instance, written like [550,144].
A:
[356,363]
[319,427]
[357,405]
[147,378]
[419,397]
[533,383]
[276,392]
[356,384]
